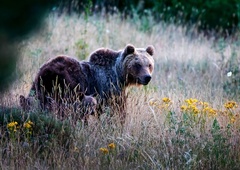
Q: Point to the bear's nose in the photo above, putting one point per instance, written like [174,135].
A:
[147,78]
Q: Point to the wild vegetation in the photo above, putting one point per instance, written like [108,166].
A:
[187,118]
[220,17]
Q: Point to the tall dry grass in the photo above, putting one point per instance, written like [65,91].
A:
[155,136]
[190,60]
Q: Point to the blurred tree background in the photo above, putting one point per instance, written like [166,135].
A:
[18,19]
[218,16]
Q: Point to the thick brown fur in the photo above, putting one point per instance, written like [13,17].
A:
[101,81]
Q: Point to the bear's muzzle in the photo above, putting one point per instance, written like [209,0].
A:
[144,80]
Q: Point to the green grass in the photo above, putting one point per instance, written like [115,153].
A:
[157,134]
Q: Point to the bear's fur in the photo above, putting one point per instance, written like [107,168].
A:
[105,77]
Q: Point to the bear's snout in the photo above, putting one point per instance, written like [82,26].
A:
[144,80]
[147,78]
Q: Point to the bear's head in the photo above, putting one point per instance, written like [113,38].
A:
[138,64]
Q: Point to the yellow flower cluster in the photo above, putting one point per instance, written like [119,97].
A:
[232,119]
[210,111]
[164,104]
[198,108]
[191,106]
[28,125]
[230,105]
[166,100]
[195,106]
[106,150]
[230,111]
[112,146]
[12,126]
[191,101]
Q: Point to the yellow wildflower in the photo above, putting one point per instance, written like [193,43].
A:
[191,101]
[232,120]
[206,109]
[195,110]
[112,146]
[153,102]
[184,107]
[212,111]
[28,125]
[166,100]
[12,126]
[204,104]
[104,150]
[230,105]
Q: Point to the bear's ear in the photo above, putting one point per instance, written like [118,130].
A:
[129,49]
[150,50]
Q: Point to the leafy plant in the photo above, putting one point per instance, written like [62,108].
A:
[81,49]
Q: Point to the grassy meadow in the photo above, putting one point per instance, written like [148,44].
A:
[184,119]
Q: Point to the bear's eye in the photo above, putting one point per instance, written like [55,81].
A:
[138,66]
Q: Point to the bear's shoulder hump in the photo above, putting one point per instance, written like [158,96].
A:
[103,57]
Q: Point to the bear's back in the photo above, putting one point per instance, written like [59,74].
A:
[104,57]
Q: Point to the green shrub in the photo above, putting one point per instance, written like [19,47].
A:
[229,66]
[43,128]
[218,15]
[232,77]
[81,49]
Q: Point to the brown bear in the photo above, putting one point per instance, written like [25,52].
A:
[99,82]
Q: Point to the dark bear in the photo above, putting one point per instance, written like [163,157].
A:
[99,82]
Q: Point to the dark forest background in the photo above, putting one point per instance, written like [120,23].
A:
[220,16]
